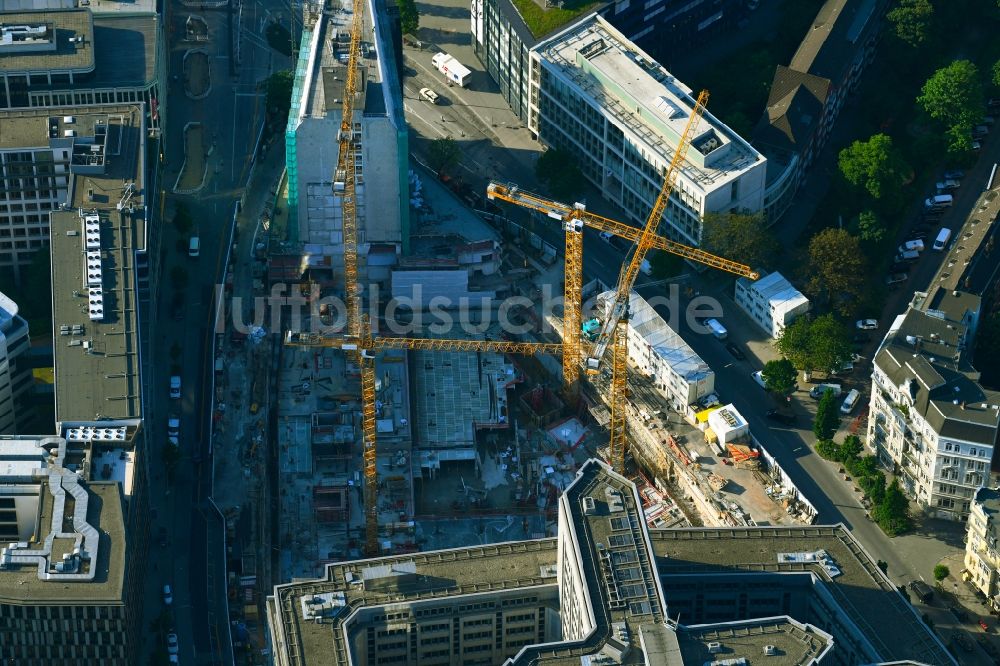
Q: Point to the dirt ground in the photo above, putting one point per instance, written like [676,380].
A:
[196,73]
[194,164]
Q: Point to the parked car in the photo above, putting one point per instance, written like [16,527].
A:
[606,236]
[948,184]
[919,235]
[780,416]
[898,267]
[168,595]
[816,392]
[162,540]
[866,324]
[736,352]
[860,338]
[912,245]
[976,145]
[759,378]
[175,386]
[922,590]
[980,130]
[172,646]
[909,255]
[954,174]
[896,278]
[429,95]
[173,429]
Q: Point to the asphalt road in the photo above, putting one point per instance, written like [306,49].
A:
[193,562]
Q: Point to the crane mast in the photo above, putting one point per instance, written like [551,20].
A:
[629,271]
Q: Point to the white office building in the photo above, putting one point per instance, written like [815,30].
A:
[929,417]
[772,302]
[597,95]
[659,351]
[15,371]
[315,199]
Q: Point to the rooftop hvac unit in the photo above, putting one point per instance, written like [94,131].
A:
[589,506]
[714,647]
[770,650]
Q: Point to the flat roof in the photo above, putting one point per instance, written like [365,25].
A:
[457,392]
[665,341]
[645,99]
[105,512]
[125,47]
[97,370]
[76,56]
[795,643]
[865,594]
[460,571]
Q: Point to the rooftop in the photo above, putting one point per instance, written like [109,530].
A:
[76,548]
[93,268]
[988,499]
[775,289]
[541,21]
[665,341]
[794,108]
[839,29]
[125,47]
[457,393]
[645,100]
[63,56]
[794,643]
[868,597]
[923,353]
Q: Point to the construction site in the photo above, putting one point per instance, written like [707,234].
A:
[411,391]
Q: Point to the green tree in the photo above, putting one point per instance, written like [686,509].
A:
[941,572]
[827,417]
[837,268]
[996,73]
[874,165]
[409,18]
[558,170]
[278,92]
[779,376]
[829,343]
[826,449]
[663,265]
[911,20]
[954,95]
[279,38]
[884,566]
[183,222]
[893,513]
[443,154]
[870,228]
[815,344]
[795,341]
[850,452]
[744,238]
[873,486]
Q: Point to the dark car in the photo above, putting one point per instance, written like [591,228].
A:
[918,235]
[922,590]
[781,417]
[860,338]
[736,352]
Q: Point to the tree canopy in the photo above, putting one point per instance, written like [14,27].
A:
[870,228]
[409,18]
[875,166]
[996,73]
[893,513]
[739,237]
[779,376]
[954,95]
[558,170]
[279,91]
[837,269]
[827,417]
[911,20]
[815,344]
[443,154]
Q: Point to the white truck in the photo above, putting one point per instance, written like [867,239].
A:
[452,69]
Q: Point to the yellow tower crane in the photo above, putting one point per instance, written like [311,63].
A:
[614,329]
[364,348]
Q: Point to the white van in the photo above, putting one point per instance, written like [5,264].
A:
[942,239]
[850,401]
[912,246]
[939,201]
[718,330]
[194,246]
[816,392]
